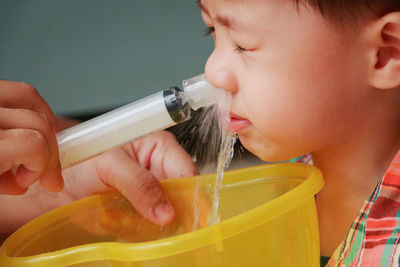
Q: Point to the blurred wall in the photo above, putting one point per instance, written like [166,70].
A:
[85,56]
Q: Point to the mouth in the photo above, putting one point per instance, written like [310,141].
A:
[238,124]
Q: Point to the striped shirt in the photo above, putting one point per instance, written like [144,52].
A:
[373,239]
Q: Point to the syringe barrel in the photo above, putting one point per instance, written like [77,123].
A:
[115,128]
[93,137]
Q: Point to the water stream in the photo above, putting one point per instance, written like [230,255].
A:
[213,151]
[224,158]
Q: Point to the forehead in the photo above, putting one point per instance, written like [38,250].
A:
[247,13]
[245,3]
[221,5]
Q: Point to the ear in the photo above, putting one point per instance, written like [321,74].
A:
[385,65]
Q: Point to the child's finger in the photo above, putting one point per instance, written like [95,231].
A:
[164,156]
[30,120]
[137,184]
[21,95]
[175,160]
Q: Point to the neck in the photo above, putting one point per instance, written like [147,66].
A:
[352,169]
[351,173]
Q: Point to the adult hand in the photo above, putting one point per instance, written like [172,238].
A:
[28,146]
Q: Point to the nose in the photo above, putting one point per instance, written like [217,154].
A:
[219,71]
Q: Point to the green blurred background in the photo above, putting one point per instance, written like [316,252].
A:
[89,56]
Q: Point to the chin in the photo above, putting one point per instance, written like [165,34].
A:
[264,151]
[255,148]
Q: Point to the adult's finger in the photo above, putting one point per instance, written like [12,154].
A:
[119,170]
[21,146]
[24,96]
[9,186]
[42,128]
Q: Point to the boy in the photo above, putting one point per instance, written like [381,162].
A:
[320,77]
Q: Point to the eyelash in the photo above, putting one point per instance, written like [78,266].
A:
[209,30]
[239,49]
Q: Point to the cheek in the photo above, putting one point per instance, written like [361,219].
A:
[276,105]
[290,101]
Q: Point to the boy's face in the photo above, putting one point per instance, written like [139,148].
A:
[297,81]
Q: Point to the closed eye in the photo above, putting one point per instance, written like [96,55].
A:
[210,30]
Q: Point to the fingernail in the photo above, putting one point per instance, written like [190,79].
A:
[164,212]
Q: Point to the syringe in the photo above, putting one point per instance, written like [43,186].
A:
[117,127]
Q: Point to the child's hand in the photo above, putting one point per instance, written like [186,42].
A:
[28,146]
[134,170]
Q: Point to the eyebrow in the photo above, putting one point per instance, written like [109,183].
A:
[225,21]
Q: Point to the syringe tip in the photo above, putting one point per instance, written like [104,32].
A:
[199,92]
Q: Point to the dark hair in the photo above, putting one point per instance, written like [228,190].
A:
[353,10]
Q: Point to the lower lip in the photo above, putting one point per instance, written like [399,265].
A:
[237,125]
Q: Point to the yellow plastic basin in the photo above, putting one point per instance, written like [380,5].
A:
[267,218]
